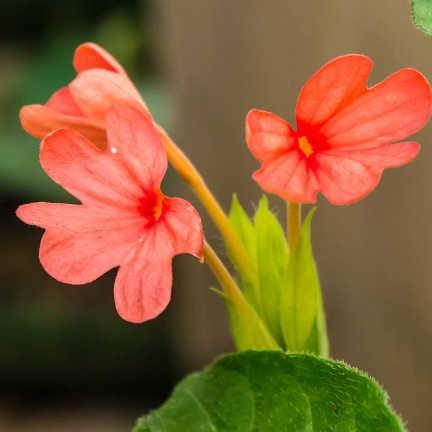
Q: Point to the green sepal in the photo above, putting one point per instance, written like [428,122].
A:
[302,315]
[273,391]
[422,15]
[248,329]
[268,252]
[246,232]
[286,292]
[272,254]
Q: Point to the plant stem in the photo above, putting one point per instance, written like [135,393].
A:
[223,276]
[192,177]
[261,338]
[293,223]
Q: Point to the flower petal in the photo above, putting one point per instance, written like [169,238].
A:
[92,56]
[95,176]
[142,288]
[343,180]
[40,120]
[290,176]
[184,226]
[96,90]
[81,258]
[135,142]
[385,156]
[331,88]
[81,244]
[390,111]
[348,176]
[143,285]
[268,135]
[62,101]
[76,217]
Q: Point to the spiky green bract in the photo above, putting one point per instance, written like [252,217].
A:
[422,15]
[302,317]
[284,290]
[268,391]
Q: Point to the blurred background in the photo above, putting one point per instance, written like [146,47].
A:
[67,362]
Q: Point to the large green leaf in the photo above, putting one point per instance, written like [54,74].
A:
[269,391]
[422,15]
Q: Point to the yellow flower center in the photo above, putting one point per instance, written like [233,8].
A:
[157,209]
[305,146]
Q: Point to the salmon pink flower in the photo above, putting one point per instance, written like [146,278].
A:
[83,105]
[347,133]
[124,220]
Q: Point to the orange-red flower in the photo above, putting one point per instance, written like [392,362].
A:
[84,104]
[123,220]
[347,133]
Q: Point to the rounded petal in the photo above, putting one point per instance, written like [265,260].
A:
[385,156]
[268,135]
[92,56]
[343,180]
[142,288]
[96,90]
[290,176]
[348,176]
[331,88]
[79,258]
[95,176]
[40,120]
[135,142]
[81,244]
[390,111]
[143,285]
[184,227]
[76,217]
[62,101]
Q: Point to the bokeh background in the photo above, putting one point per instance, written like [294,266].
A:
[67,362]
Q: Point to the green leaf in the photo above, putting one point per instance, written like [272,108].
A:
[266,245]
[272,391]
[422,15]
[243,226]
[248,329]
[247,326]
[286,294]
[301,315]
[272,262]
[246,232]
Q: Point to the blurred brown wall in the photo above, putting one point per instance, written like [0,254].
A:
[223,57]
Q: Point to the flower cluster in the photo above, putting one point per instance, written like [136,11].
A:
[100,143]
[103,148]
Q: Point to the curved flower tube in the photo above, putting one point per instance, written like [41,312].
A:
[347,133]
[84,104]
[124,220]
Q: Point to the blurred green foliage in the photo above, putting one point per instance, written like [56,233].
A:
[60,339]
[422,15]
[35,75]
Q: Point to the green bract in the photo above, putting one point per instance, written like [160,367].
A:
[269,391]
[283,286]
[302,314]
[422,15]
